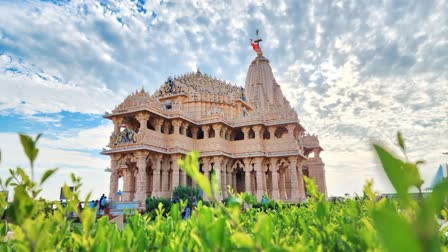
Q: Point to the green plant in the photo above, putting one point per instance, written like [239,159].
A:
[361,224]
[152,204]
[186,193]
[411,225]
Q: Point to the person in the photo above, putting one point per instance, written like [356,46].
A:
[264,200]
[92,204]
[99,201]
[119,193]
[80,206]
[103,203]
[195,202]
[187,213]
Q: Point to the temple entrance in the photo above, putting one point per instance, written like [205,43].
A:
[240,176]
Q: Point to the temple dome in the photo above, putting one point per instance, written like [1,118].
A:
[261,89]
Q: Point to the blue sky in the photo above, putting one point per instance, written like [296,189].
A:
[355,71]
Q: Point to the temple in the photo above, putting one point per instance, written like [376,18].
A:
[250,137]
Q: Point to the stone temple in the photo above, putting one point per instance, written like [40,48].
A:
[250,137]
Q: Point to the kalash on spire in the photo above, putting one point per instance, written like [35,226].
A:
[251,137]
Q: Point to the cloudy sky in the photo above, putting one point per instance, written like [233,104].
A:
[355,71]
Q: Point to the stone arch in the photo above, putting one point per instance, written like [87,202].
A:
[280,131]
[211,132]
[188,132]
[266,134]
[150,125]
[237,135]
[131,123]
[251,134]
[200,133]
[238,176]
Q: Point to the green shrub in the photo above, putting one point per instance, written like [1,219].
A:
[186,193]
[152,204]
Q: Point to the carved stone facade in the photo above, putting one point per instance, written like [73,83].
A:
[251,137]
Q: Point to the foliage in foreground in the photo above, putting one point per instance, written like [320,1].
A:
[404,224]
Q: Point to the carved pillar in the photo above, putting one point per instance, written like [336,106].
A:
[224,181]
[257,129]
[158,125]
[113,178]
[300,182]
[156,175]
[176,126]
[165,178]
[183,177]
[142,118]
[117,124]
[140,187]
[166,127]
[205,130]
[217,168]
[245,130]
[127,180]
[294,182]
[247,168]
[274,175]
[175,173]
[224,132]
[206,170]
[184,128]
[194,132]
[272,132]
[259,177]
[217,129]
[291,128]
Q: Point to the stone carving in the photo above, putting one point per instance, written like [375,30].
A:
[126,136]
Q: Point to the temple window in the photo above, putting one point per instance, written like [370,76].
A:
[251,134]
[211,133]
[131,123]
[238,134]
[189,134]
[266,134]
[200,134]
[149,125]
[168,104]
[280,131]
[171,129]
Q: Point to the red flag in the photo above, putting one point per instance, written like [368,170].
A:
[254,46]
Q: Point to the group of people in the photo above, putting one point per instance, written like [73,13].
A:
[98,204]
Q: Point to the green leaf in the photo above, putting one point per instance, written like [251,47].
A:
[438,196]
[218,232]
[397,235]
[47,174]
[393,168]
[400,140]
[174,211]
[29,146]
[37,138]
